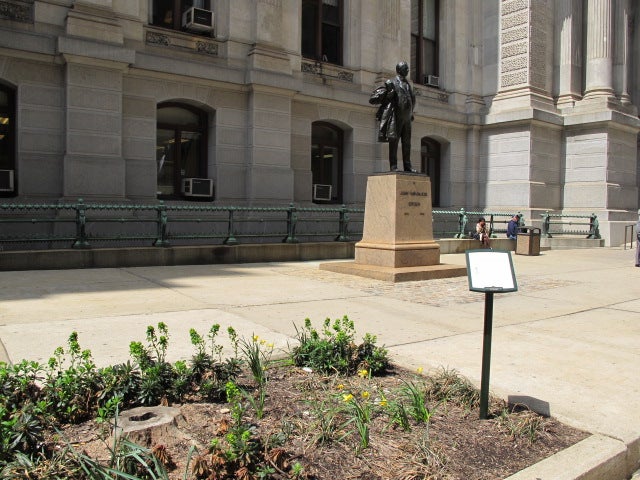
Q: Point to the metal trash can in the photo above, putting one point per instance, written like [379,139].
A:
[528,241]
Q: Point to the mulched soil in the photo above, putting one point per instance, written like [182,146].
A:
[455,444]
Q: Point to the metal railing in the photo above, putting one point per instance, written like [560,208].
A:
[458,225]
[563,224]
[84,224]
[631,237]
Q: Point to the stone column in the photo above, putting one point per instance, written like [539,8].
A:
[568,14]
[599,64]
[621,51]
[267,52]
[526,55]
[95,62]
[472,166]
[269,172]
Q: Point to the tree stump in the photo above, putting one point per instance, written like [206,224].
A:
[149,426]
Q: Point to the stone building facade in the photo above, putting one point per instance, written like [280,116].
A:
[522,105]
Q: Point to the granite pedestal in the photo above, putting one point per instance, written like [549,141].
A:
[397,242]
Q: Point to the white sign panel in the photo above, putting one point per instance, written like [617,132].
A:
[490,271]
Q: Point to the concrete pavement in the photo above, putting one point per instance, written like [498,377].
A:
[567,342]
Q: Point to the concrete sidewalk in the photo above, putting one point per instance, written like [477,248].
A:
[566,342]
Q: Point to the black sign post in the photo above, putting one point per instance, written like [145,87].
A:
[489,271]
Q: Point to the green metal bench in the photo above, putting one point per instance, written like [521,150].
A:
[556,224]
[457,226]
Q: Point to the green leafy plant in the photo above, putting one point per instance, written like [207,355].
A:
[359,410]
[156,350]
[181,380]
[235,341]
[158,342]
[156,374]
[26,430]
[257,355]
[24,412]
[265,471]
[19,383]
[334,351]
[109,409]
[297,470]
[128,461]
[120,380]
[71,383]
[416,396]
[239,451]
[156,382]
[208,369]
[398,414]
[208,352]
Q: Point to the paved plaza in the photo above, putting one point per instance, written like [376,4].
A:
[567,342]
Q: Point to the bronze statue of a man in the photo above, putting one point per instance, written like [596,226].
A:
[397,100]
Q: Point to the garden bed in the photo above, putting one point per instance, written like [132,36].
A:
[304,423]
[328,409]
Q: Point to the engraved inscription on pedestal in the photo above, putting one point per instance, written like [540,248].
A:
[398,230]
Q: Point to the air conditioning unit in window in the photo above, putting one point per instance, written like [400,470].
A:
[321,192]
[6,180]
[432,80]
[197,20]
[197,187]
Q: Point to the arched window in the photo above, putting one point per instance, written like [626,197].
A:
[430,156]
[326,162]
[181,147]
[7,140]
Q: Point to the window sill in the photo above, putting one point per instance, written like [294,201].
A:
[186,41]
[434,93]
[326,70]
[183,199]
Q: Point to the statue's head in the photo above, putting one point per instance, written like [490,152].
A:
[402,68]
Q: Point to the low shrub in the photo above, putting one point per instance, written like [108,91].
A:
[334,350]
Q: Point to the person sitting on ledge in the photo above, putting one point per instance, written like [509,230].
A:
[512,227]
[482,233]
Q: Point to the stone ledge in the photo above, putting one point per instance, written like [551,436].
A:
[401,274]
[180,255]
[595,458]
[57,259]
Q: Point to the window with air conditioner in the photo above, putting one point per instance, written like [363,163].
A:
[197,187]
[7,140]
[326,162]
[194,16]
[181,149]
[197,20]
[425,41]
[321,192]
[432,81]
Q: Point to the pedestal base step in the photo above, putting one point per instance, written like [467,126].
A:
[390,274]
